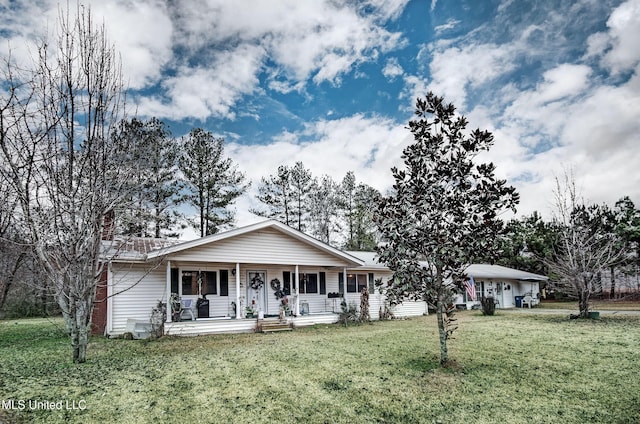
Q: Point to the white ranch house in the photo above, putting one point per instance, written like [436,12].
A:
[241,271]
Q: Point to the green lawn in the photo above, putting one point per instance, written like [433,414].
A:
[516,368]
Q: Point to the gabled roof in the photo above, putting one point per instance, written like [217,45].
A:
[370,260]
[498,272]
[478,271]
[169,249]
[134,248]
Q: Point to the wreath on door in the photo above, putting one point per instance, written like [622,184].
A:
[256,282]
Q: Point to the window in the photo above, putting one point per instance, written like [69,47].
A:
[478,289]
[308,283]
[209,282]
[199,282]
[356,282]
[189,282]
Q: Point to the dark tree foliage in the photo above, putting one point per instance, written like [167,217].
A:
[443,213]
[213,181]
[276,194]
[156,185]
[526,241]
[355,202]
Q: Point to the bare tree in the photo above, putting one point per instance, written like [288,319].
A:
[584,249]
[59,156]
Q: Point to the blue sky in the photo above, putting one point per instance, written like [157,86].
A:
[333,83]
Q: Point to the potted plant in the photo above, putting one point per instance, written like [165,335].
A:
[249,312]
[284,305]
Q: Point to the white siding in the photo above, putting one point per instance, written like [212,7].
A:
[137,291]
[377,300]
[266,246]
[409,309]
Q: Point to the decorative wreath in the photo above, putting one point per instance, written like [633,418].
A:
[277,288]
[256,282]
[275,284]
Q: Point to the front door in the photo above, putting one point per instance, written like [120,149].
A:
[256,290]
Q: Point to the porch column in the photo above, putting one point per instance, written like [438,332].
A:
[169,313]
[344,285]
[297,308]
[238,291]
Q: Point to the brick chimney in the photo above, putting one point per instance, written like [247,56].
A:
[108,225]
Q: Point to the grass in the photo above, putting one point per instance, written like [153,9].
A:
[595,305]
[511,368]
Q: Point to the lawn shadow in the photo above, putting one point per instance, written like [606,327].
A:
[423,364]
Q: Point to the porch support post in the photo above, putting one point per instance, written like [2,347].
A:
[168,282]
[238,310]
[344,284]
[297,280]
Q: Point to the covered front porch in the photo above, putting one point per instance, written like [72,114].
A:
[205,326]
[216,292]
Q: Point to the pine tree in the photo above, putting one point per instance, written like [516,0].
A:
[275,193]
[213,181]
[301,184]
[155,189]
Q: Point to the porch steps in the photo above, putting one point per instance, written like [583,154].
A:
[269,326]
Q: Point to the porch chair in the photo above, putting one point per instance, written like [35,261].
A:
[187,307]
[528,300]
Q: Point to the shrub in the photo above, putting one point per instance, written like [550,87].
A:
[488,305]
[349,313]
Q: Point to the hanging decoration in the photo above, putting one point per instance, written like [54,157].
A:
[277,288]
[256,282]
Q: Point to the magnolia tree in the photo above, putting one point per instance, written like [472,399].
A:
[443,212]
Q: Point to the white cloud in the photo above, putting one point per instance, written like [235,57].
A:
[392,69]
[212,91]
[623,36]
[453,73]
[142,33]
[302,42]
[451,23]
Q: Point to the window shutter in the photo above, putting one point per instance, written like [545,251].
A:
[372,285]
[175,279]
[224,282]
[323,283]
[341,282]
[286,285]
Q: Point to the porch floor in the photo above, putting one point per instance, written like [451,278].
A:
[204,326]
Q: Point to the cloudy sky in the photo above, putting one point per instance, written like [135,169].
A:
[333,83]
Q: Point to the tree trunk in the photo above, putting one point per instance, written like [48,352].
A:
[612,293]
[442,331]
[583,301]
